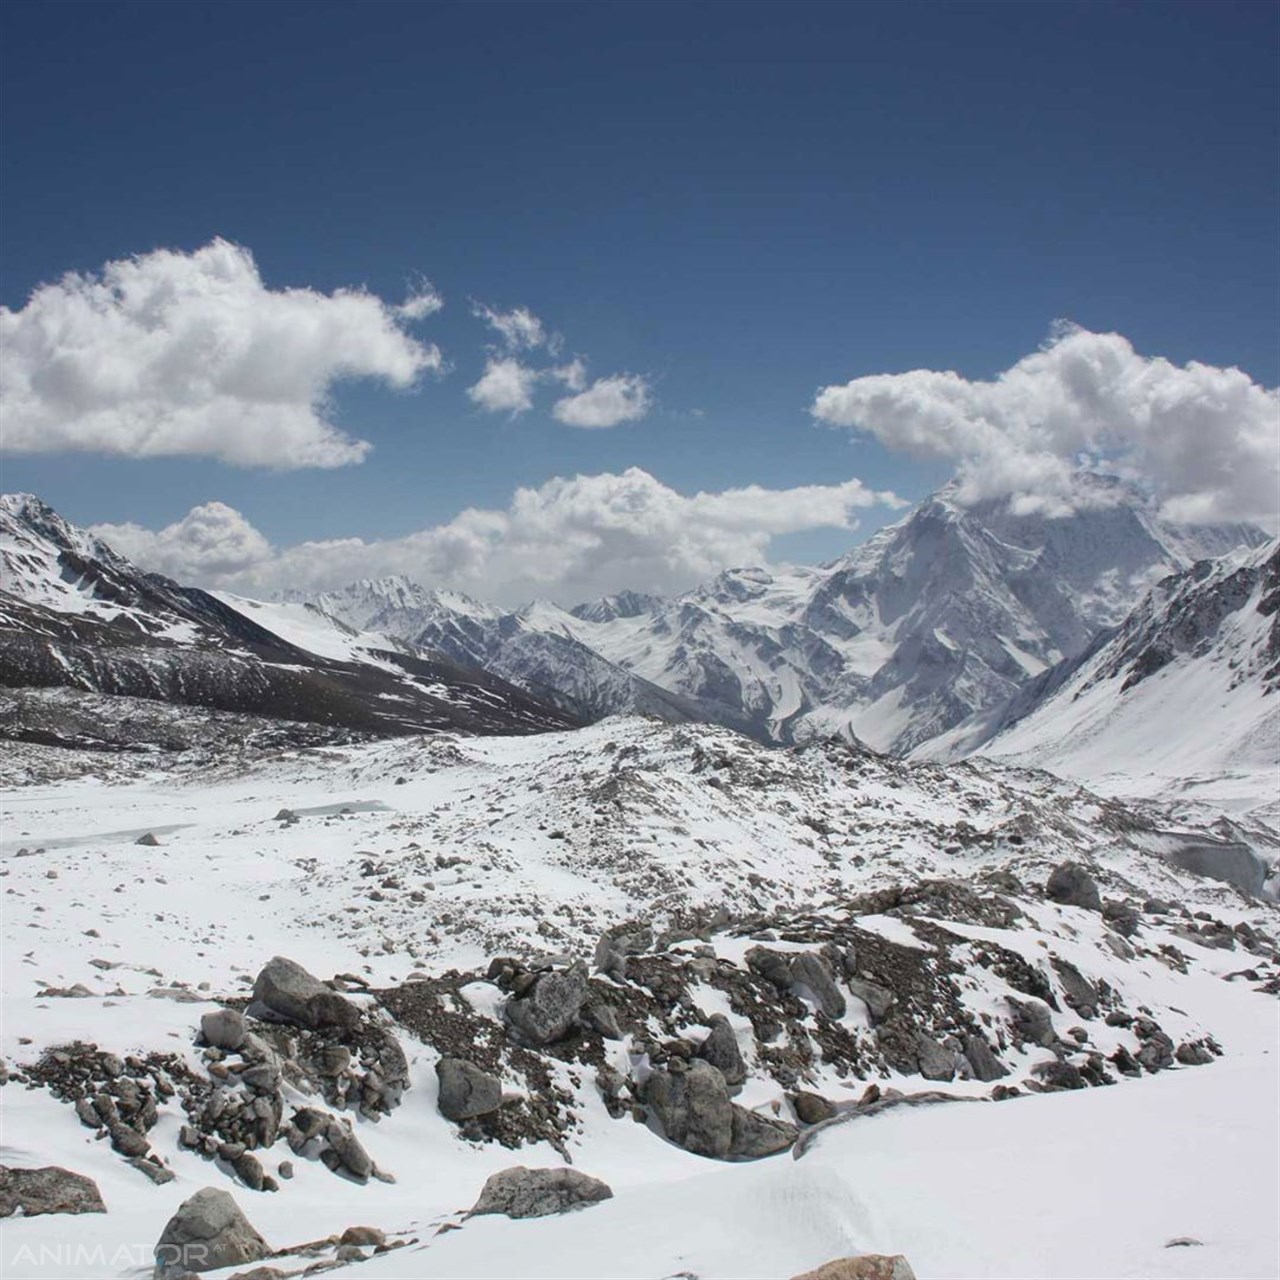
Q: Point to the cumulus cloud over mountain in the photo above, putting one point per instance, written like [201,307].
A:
[569,539]
[1205,439]
[191,354]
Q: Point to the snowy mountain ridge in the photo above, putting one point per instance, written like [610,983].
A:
[943,615]
[76,617]
[1188,686]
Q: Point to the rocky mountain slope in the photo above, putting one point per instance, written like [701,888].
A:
[76,616]
[549,663]
[1187,687]
[943,615]
[660,974]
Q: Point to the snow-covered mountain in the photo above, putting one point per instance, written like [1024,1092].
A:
[1188,686]
[74,615]
[527,648]
[945,614]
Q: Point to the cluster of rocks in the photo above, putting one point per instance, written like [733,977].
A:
[301,1032]
[117,1097]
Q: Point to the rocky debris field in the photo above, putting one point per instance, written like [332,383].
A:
[545,979]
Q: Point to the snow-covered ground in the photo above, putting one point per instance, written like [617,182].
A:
[424,854]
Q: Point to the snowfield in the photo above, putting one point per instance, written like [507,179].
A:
[423,855]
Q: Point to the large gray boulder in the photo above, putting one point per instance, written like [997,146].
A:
[48,1190]
[693,1108]
[721,1049]
[986,1066]
[207,1232]
[465,1090]
[286,992]
[223,1029]
[545,1014]
[536,1193]
[756,1136]
[879,1000]
[936,1061]
[1070,884]
[692,1105]
[811,977]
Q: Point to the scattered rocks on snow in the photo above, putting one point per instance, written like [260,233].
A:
[207,1232]
[48,1190]
[537,1193]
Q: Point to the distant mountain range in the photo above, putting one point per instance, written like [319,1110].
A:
[1187,686]
[947,613]
[945,629]
[74,615]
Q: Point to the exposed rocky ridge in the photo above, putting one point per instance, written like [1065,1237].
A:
[75,615]
[1201,653]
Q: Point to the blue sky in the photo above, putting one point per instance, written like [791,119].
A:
[740,204]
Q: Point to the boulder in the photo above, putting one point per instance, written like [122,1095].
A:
[1079,993]
[364,1236]
[986,1066]
[721,1050]
[465,1090]
[810,976]
[1032,1021]
[1070,884]
[48,1190]
[867,1266]
[536,1193]
[546,1012]
[936,1062]
[812,1108]
[692,1106]
[207,1232]
[879,1000]
[223,1029]
[755,1136]
[615,946]
[346,1152]
[286,992]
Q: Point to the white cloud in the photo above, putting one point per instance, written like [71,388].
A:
[506,386]
[573,375]
[519,328]
[570,539]
[423,301]
[607,402]
[190,354]
[209,543]
[1206,440]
